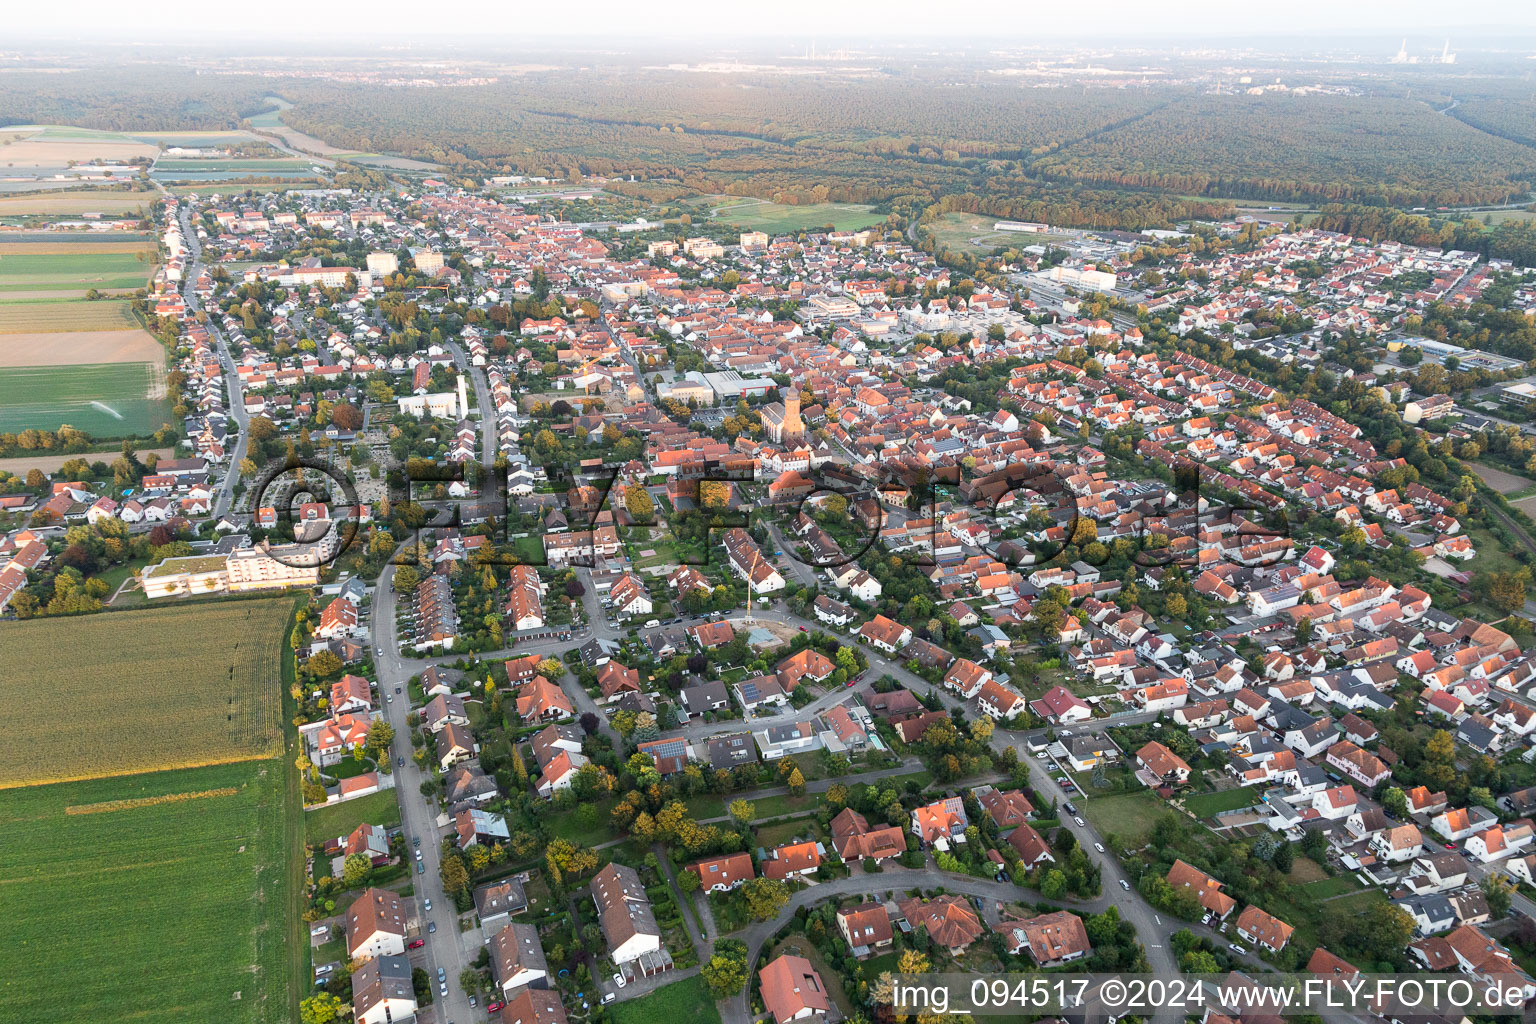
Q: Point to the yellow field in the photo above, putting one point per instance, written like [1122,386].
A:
[48,317]
[75,202]
[119,693]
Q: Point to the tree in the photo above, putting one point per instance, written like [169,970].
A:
[320,1008]
[347,416]
[726,972]
[764,897]
[1176,606]
[1054,885]
[1394,802]
[1284,856]
[743,811]
[590,722]
[637,500]
[796,782]
[406,579]
[1304,630]
[1497,892]
[689,881]
[455,877]
[1314,844]
[1440,747]
[323,664]
[354,869]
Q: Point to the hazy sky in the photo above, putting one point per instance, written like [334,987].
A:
[846,21]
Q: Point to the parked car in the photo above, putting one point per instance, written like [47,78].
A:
[1125,885]
[1080,822]
[416,840]
[442,972]
[416,944]
[1099,847]
[399,762]
[493,1007]
[324,969]
[618,979]
[471,1000]
[429,904]
[1236,948]
[397,689]
[421,868]
[431,927]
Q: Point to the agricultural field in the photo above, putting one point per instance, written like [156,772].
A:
[164,896]
[56,146]
[144,691]
[75,202]
[52,243]
[103,399]
[44,316]
[773,218]
[34,272]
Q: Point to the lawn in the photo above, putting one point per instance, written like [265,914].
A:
[1130,816]
[778,218]
[340,819]
[103,399]
[66,271]
[144,690]
[780,832]
[149,897]
[1207,804]
[686,1000]
[1330,887]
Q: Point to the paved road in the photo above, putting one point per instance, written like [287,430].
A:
[489,442]
[237,412]
[418,816]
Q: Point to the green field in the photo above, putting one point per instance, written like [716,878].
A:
[72,272]
[233,165]
[104,399]
[1130,816]
[776,217]
[340,819]
[686,1000]
[165,911]
[45,316]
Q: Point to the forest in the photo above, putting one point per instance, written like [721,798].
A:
[873,135]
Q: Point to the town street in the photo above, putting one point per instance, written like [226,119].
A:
[236,406]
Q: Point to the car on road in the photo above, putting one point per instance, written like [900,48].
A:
[399,762]
[421,868]
[418,855]
[431,927]
[1070,809]
[1450,846]
[1125,885]
[1099,847]
[442,972]
[471,1000]
[416,840]
[397,689]
[1080,823]
[803,629]
[442,990]
[429,905]
[378,652]
[417,944]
